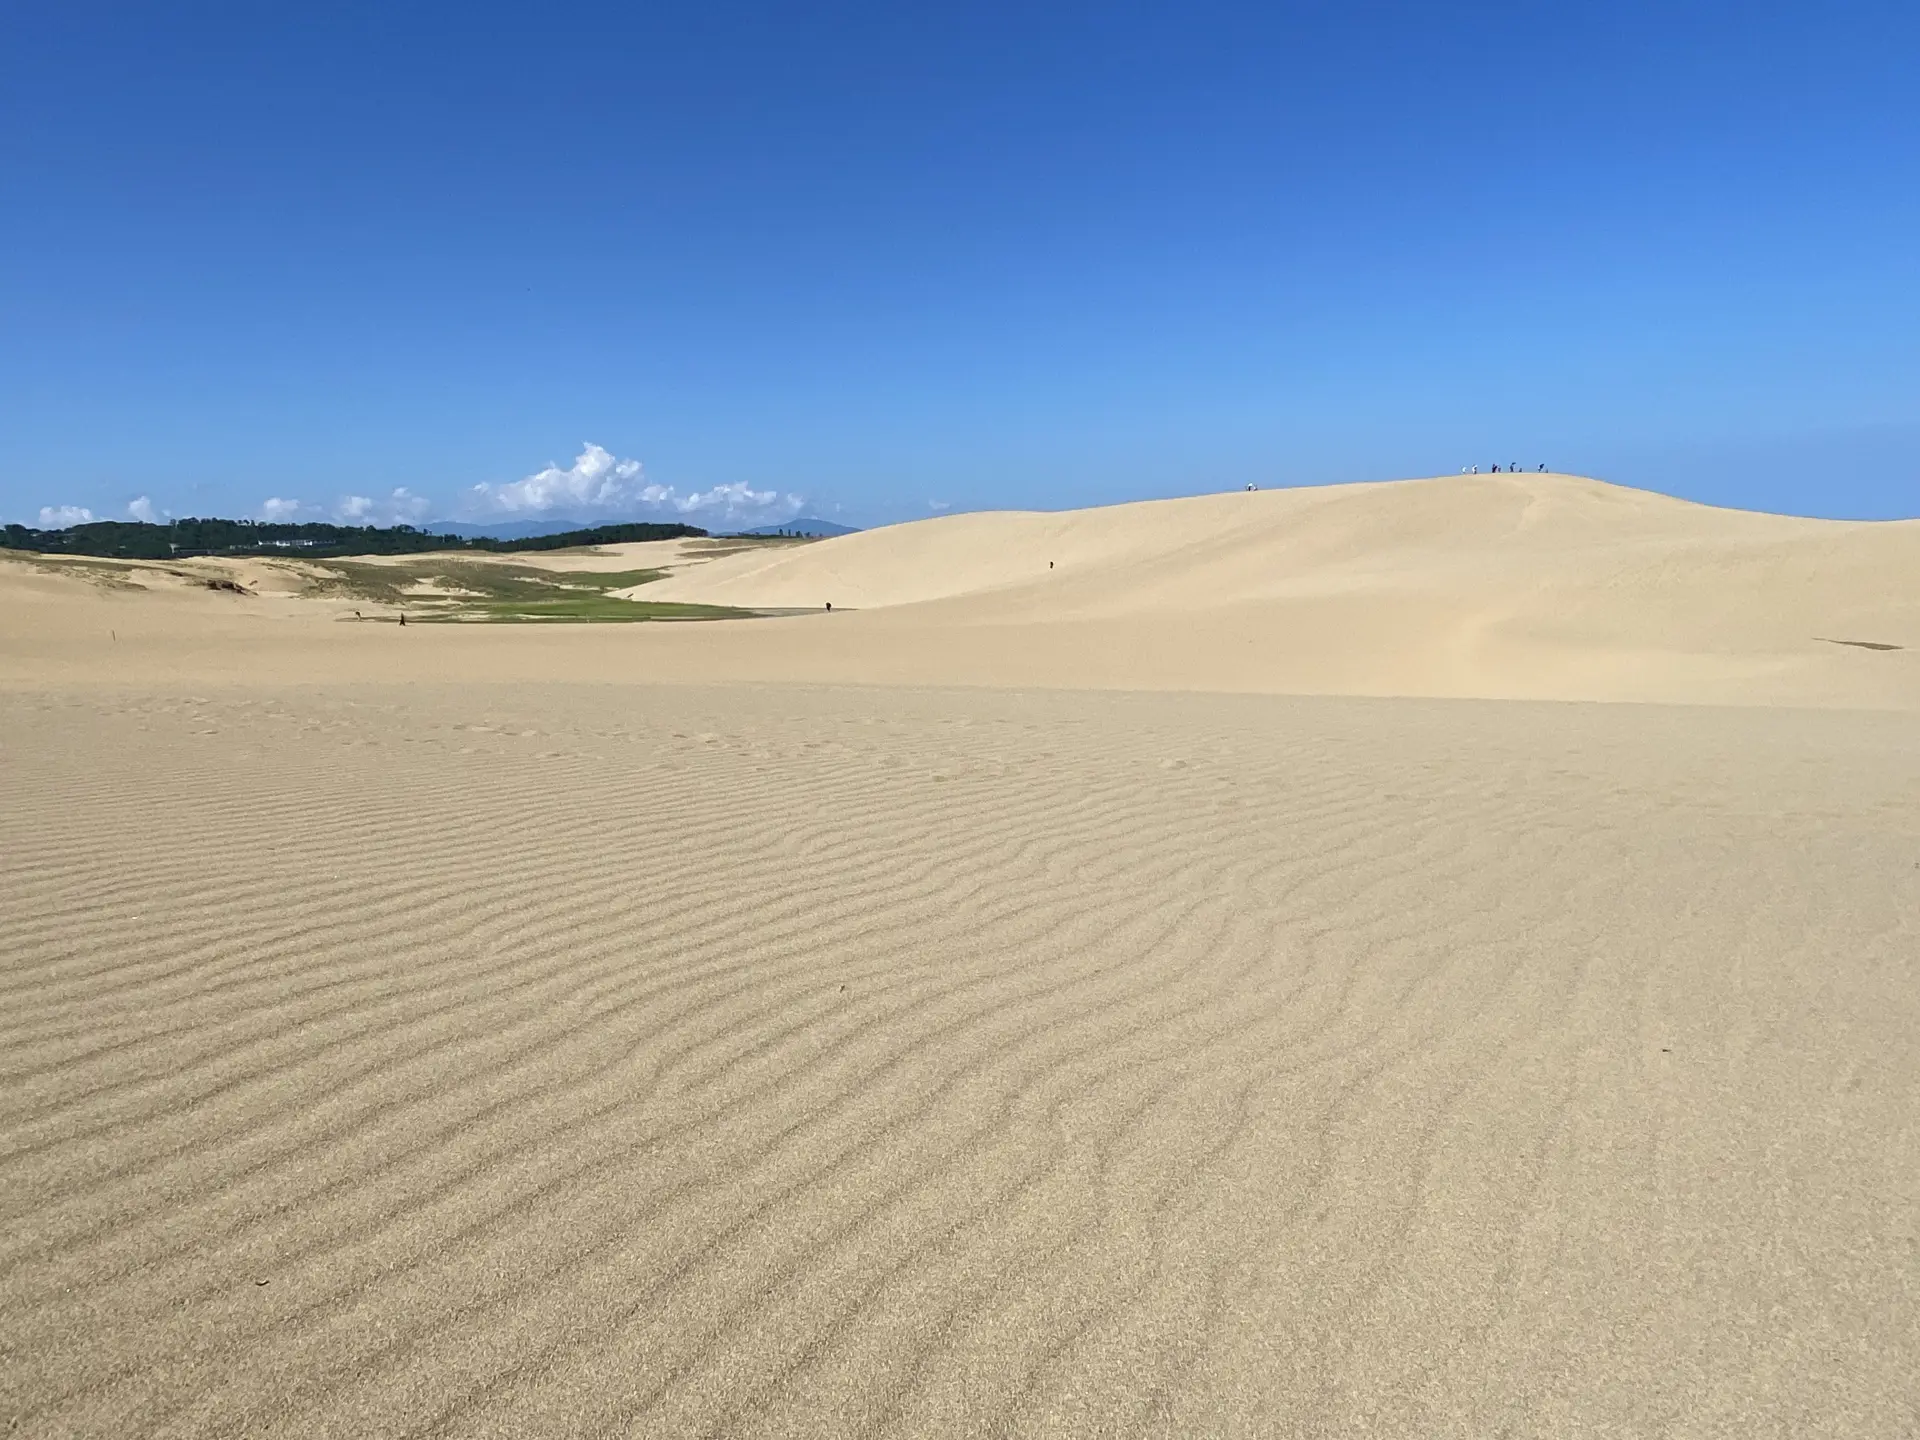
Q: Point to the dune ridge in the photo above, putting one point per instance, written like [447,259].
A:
[1537,587]
[1210,551]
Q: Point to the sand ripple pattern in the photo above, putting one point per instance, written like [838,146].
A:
[813,1061]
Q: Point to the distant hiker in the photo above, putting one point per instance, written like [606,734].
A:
[1543,469]
[1253,487]
[829,607]
[1476,470]
[403,619]
[1496,469]
[1049,564]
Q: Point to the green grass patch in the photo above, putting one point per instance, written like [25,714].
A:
[479,581]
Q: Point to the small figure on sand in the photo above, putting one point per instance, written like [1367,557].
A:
[829,607]
[403,619]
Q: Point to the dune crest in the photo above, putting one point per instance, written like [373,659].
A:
[1534,586]
[1206,551]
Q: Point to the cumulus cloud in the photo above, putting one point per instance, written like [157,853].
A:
[141,508]
[595,481]
[599,485]
[58,517]
[276,510]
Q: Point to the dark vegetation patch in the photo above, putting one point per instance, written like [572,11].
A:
[1861,644]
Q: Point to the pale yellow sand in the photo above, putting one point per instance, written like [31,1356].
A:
[450,1032]
[1525,587]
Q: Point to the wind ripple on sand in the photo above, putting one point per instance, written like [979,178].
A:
[828,1061]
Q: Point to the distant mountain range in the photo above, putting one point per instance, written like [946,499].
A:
[813,529]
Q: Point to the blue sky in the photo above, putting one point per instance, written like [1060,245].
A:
[871,261]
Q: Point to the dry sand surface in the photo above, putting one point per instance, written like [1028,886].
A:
[1518,587]
[451,1031]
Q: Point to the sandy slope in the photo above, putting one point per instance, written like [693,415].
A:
[1533,587]
[457,1031]
[1471,536]
[1537,585]
[667,1061]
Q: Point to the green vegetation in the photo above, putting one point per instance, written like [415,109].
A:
[132,540]
[473,580]
[436,588]
[489,592]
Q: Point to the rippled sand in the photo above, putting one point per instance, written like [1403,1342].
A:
[585,1059]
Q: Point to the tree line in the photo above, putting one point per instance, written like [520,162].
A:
[137,540]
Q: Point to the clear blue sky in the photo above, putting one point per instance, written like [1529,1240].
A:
[894,257]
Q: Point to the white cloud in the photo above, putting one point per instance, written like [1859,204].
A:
[141,509]
[595,481]
[599,485]
[397,507]
[400,507]
[58,517]
[938,505]
[733,504]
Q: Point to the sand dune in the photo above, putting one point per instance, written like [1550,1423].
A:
[1467,535]
[526,1030]
[1522,587]
[1528,585]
